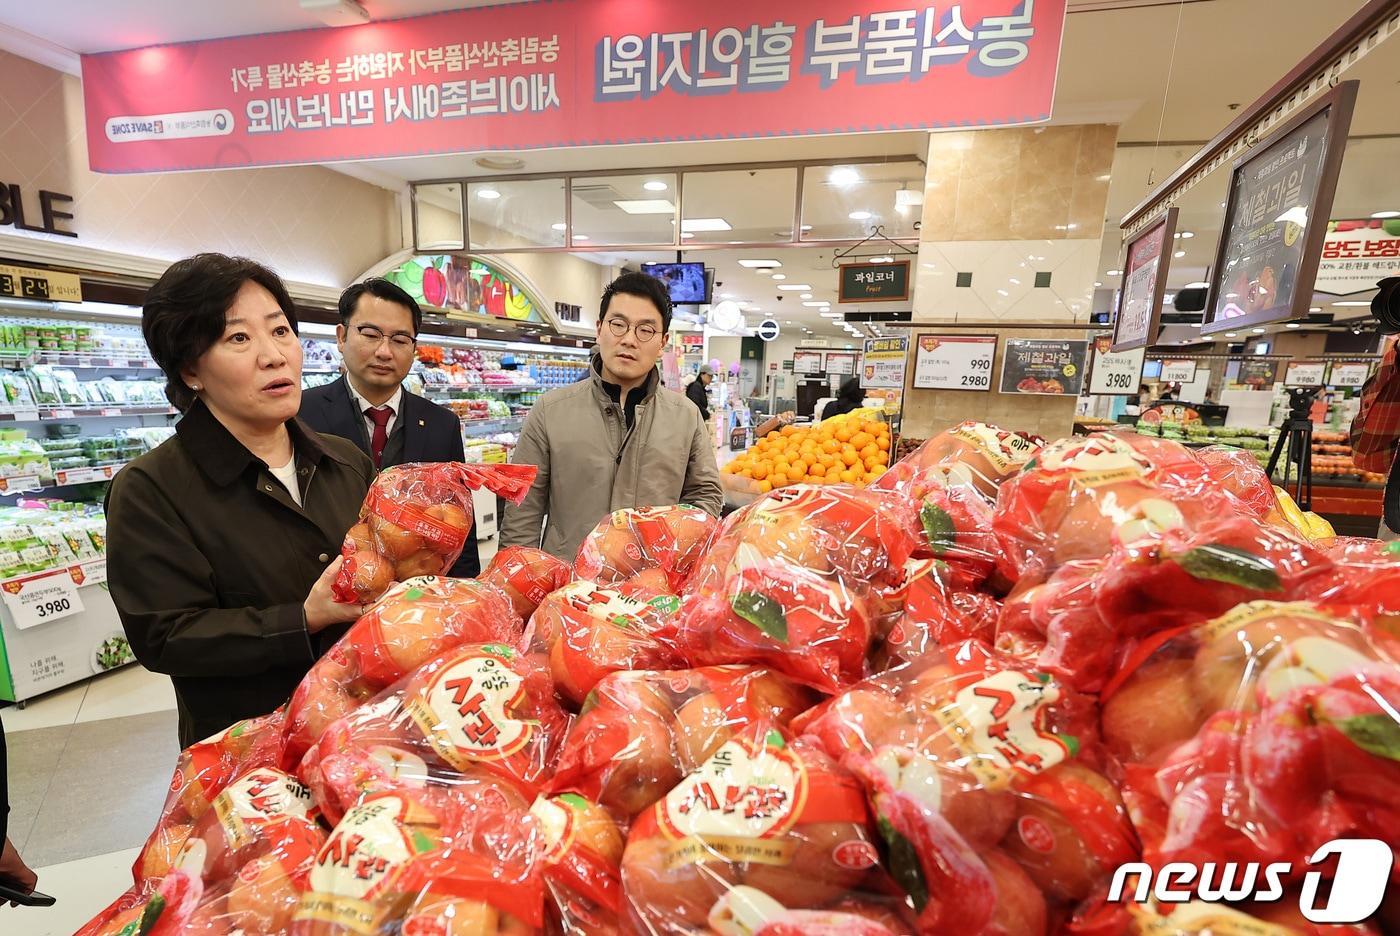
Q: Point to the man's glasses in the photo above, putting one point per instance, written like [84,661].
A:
[645,331]
[398,340]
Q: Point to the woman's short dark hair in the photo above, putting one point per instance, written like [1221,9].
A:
[183,315]
[383,289]
[851,390]
[642,285]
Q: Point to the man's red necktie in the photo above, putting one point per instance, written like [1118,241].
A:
[380,416]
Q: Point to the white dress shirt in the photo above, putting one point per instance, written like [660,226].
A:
[394,403]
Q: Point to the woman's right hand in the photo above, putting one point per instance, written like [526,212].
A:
[321,608]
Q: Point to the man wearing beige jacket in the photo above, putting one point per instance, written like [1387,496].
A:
[618,439]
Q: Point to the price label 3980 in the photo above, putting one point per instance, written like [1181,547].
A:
[38,599]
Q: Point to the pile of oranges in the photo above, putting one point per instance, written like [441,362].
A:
[850,451]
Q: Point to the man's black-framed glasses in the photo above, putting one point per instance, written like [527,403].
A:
[645,331]
[399,341]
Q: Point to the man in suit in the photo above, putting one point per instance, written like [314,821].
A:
[377,335]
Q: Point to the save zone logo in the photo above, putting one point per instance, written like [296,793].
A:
[1358,881]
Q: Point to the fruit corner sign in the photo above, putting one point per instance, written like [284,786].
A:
[571,73]
[455,283]
[875,282]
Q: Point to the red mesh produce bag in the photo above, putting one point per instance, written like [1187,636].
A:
[794,581]
[438,859]
[1258,736]
[987,786]
[415,520]
[483,710]
[764,827]
[1081,496]
[972,455]
[640,732]
[635,540]
[588,631]
[582,864]
[409,625]
[526,575]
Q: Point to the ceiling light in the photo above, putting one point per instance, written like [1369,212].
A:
[1385,214]
[829,314]
[638,206]
[1363,303]
[797,287]
[1197,285]
[1115,272]
[1187,235]
[726,295]
[816,305]
[559,226]
[1257,331]
[859,215]
[1232,334]
[655,185]
[579,237]
[1315,309]
[488,193]
[843,176]
[685,235]
[806,227]
[1293,325]
[759,264]
[1179,254]
[779,276]
[1097,283]
[500,163]
[805,296]
[705,224]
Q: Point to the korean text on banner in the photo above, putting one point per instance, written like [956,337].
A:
[571,73]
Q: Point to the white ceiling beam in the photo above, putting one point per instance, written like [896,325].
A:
[39,50]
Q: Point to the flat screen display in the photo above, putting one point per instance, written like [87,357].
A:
[684,281]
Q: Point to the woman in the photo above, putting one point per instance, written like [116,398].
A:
[220,541]
[850,397]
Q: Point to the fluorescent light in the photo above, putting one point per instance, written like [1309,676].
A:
[1196,286]
[641,206]
[579,237]
[816,304]
[1358,303]
[488,193]
[1231,334]
[1257,331]
[1293,325]
[1187,235]
[843,176]
[559,226]
[726,295]
[1115,272]
[779,276]
[686,234]
[1179,254]
[705,224]
[829,314]
[1385,214]
[655,185]
[1097,283]
[759,264]
[1315,309]
[796,287]
[806,227]
[805,296]
[859,215]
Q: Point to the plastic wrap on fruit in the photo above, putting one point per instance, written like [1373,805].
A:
[526,575]
[408,860]
[1239,472]
[972,455]
[634,540]
[1055,627]
[762,814]
[955,521]
[412,623]
[587,631]
[1366,583]
[640,732]
[582,860]
[934,614]
[1080,496]
[1282,736]
[415,521]
[482,712]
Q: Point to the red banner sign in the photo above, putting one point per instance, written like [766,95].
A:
[572,73]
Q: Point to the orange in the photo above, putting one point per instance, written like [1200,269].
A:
[746,473]
[861,439]
[869,451]
[827,460]
[882,457]
[788,430]
[843,434]
[778,478]
[848,476]
[849,456]
[877,471]
[883,443]
[764,487]
[818,470]
[772,436]
[760,471]
[831,446]
[871,464]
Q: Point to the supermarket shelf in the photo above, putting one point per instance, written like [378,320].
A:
[76,360]
[497,424]
[484,387]
[83,412]
[63,477]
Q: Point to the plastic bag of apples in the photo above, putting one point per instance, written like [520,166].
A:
[526,575]
[415,521]
[665,542]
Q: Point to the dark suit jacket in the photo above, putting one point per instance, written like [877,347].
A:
[423,432]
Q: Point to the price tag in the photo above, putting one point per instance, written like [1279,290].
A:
[92,572]
[111,411]
[62,414]
[39,599]
[20,483]
[1116,374]
[26,415]
[1349,375]
[1178,371]
[1305,374]
[954,362]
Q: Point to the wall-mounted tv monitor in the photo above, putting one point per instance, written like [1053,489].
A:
[686,282]
[1151,370]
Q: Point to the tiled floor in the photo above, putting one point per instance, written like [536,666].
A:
[89,768]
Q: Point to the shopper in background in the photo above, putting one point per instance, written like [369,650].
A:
[12,868]
[618,439]
[222,543]
[849,397]
[698,391]
[1144,397]
[1375,435]
[368,405]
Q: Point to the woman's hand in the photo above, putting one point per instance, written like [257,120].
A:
[321,608]
[14,870]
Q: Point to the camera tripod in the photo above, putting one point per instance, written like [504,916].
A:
[1296,436]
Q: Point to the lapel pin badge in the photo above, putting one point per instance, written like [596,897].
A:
[420,422]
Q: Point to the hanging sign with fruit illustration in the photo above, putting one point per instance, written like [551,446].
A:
[445,281]
[1043,366]
[1355,254]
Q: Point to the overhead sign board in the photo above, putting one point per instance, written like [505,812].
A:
[42,285]
[875,282]
[954,362]
[882,363]
[1115,373]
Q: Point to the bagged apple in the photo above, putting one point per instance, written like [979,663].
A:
[763,827]
[440,859]
[412,623]
[794,581]
[933,613]
[526,575]
[582,860]
[415,520]
[1239,472]
[972,455]
[483,711]
[640,732]
[634,540]
[588,631]
[956,522]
